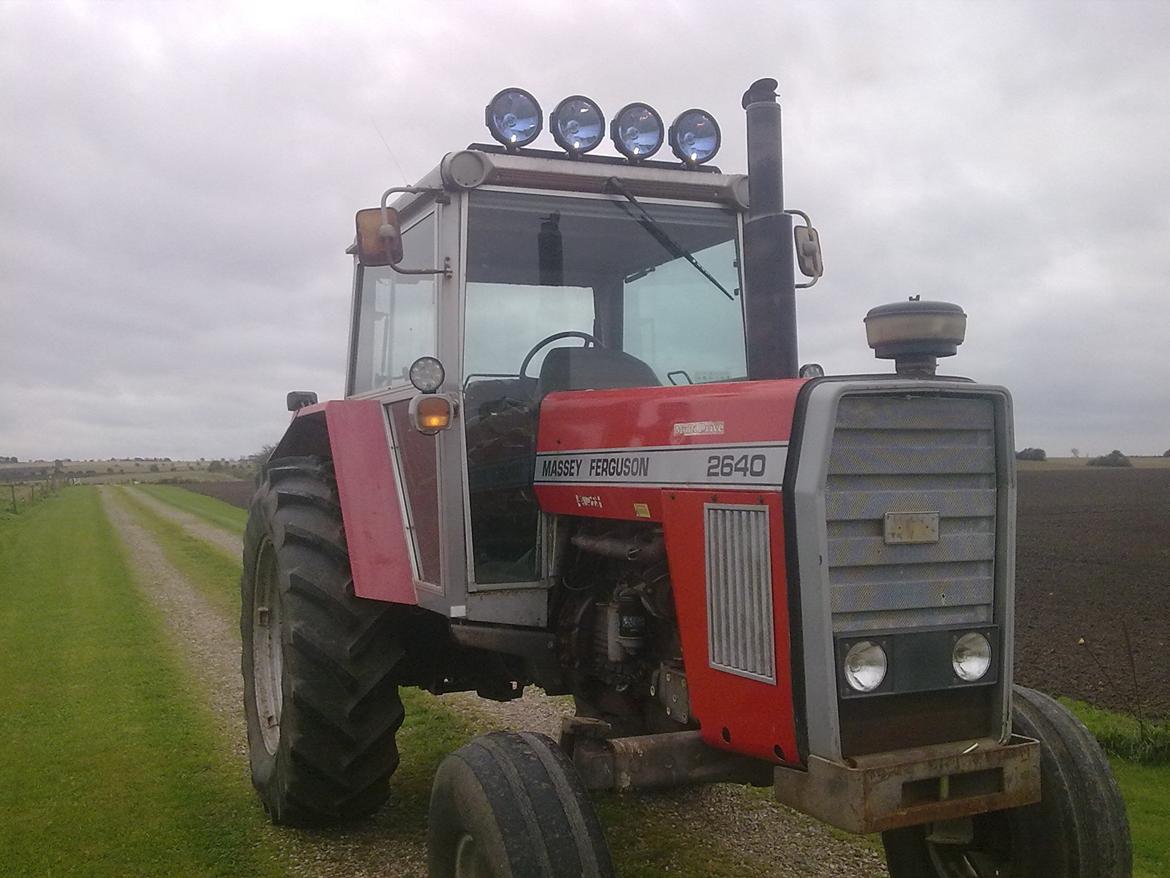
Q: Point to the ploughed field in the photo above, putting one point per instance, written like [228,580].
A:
[1093,561]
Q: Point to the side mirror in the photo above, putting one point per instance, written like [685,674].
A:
[808,250]
[298,399]
[379,239]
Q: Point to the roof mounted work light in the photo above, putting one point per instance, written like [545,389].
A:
[637,131]
[695,137]
[514,118]
[577,124]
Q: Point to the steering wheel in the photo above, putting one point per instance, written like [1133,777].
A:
[557,336]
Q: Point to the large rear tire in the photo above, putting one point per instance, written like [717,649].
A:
[511,805]
[320,692]
[1077,830]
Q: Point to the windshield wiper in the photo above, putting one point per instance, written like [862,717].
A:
[660,234]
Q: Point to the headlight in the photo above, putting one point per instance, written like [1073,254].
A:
[865,666]
[637,131]
[972,656]
[577,124]
[694,137]
[514,118]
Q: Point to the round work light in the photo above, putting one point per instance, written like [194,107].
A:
[972,656]
[514,118]
[427,374]
[695,137]
[637,131]
[577,124]
[865,666]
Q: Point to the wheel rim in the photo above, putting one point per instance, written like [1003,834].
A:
[987,854]
[469,862]
[267,649]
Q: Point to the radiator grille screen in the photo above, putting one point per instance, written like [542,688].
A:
[911,454]
[741,637]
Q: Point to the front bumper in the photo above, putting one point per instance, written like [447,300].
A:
[909,787]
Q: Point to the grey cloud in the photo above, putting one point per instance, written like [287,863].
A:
[179,184]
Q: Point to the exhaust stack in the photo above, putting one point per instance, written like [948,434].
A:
[770,297]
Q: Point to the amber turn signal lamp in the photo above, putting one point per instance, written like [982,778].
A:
[431,412]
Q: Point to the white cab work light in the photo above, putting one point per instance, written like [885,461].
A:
[695,137]
[577,125]
[427,374]
[514,118]
[637,131]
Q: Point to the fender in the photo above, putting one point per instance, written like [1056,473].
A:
[352,433]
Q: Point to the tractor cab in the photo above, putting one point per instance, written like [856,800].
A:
[523,275]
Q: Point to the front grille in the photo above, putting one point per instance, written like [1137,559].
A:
[741,637]
[911,454]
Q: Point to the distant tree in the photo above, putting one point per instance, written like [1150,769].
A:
[216,466]
[255,461]
[1113,458]
[1032,454]
[1076,452]
[154,467]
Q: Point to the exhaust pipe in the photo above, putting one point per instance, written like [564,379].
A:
[770,299]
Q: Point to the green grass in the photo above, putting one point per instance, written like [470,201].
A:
[1123,736]
[208,508]
[1144,778]
[110,765]
[1147,801]
[214,573]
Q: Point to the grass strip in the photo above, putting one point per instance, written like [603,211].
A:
[213,511]
[110,763]
[215,574]
[1143,741]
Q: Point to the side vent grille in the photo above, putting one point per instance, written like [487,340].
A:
[741,638]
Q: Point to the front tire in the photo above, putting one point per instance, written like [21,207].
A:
[1077,830]
[319,665]
[511,805]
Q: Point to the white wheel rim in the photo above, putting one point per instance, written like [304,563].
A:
[267,649]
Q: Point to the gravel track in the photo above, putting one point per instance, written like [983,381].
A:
[221,538]
[763,837]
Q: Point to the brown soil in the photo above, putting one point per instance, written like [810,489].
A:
[237,492]
[1093,563]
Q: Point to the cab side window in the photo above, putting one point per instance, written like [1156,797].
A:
[396,314]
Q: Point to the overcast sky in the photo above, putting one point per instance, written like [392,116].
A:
[178,183]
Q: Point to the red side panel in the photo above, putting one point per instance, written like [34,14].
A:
[735,713]
[374,531]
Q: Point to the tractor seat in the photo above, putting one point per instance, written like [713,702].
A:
[592,369]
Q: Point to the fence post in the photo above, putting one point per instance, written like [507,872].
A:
[14,509]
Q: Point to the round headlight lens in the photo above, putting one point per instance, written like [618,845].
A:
[695,137]
[972,656]
[514,118]
[427,374]
[577,124]
[865,666]
[637,131]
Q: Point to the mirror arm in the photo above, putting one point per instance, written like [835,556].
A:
[387,229]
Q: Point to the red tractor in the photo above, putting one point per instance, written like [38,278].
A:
[577,451]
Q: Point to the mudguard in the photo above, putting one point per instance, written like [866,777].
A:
[352,433]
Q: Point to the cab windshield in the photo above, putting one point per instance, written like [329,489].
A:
[575,293]
[658,282]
